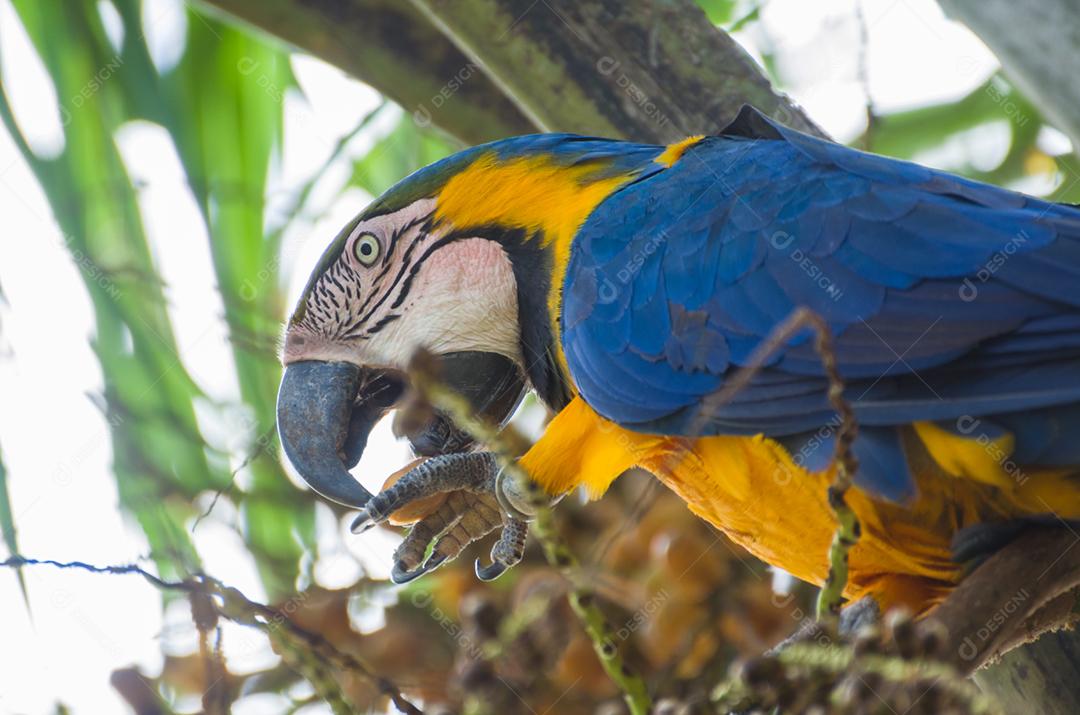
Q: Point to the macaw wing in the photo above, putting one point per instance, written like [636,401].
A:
[947,297]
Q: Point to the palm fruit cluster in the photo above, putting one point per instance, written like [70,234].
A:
[681,603]
[894,667]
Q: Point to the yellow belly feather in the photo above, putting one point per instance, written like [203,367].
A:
[752,490]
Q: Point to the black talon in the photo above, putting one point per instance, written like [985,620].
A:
[490,572]
[362,523]
[377,510]
[400,575]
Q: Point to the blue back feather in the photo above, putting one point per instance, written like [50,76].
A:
[947,297]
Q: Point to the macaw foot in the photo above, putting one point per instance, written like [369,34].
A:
[470,511]
[974,544]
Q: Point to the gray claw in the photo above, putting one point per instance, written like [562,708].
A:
[400,575]
[507,552]
[362,523]
[490,572]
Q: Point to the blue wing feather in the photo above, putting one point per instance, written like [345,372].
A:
[947,297]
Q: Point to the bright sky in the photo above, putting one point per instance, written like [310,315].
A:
[55,442]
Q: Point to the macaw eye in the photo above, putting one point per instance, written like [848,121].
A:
[366,249]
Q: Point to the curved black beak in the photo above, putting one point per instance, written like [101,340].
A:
[326,411]
[313,413]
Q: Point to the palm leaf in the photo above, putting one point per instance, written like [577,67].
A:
[159,455]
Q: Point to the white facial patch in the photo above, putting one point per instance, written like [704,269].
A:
[464,297]
[422,289]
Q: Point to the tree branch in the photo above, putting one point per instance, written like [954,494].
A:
[639,70]
[394,48]
[1015,595]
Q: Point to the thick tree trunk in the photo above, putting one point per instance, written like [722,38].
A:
[1037,42]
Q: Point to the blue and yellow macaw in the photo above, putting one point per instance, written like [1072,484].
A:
[626,283]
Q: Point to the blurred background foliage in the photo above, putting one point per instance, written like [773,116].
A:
[690,601]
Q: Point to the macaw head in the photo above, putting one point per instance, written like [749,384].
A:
[457,259]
